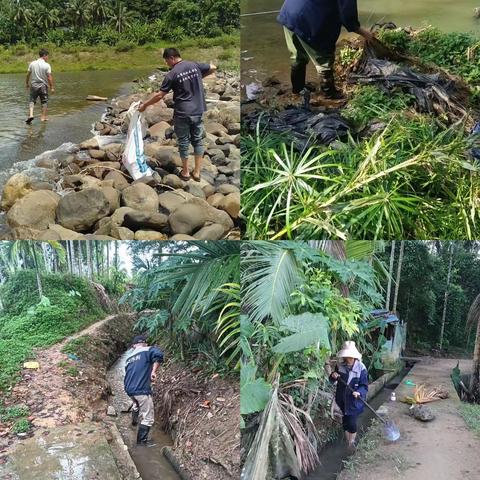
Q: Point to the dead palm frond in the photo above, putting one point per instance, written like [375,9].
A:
[423,394]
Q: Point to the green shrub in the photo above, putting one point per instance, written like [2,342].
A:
[124,46]
[21,426]
[69,305]
[11,413]
[369,103]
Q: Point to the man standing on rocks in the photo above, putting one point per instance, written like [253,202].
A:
[141,368]
[185,79]
[39,79]
[312,28]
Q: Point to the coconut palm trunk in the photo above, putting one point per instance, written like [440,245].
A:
[472,320]
[445,297]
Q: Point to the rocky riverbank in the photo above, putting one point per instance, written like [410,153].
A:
[86,193]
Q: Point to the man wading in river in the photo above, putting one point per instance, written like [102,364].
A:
[312,28]
[39,78]
[185,79]
[141,368]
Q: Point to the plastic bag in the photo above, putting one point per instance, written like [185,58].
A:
[133,157]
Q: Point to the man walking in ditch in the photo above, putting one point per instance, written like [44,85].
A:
[312,28]
[141,368]
[185,79]
[39,79]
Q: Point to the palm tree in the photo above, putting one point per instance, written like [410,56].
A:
[445,296]
[399,273]
[100,10]
[46,18]
[78,13]
[390,276]
[22,13]
[121,17]
[473,319]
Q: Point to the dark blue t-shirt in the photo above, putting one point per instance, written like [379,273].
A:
[185,79]
[138,368]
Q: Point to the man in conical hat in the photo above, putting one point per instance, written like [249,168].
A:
[353,372]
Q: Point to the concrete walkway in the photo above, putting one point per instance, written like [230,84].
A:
[444,449]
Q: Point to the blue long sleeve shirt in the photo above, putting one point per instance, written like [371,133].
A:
[357,378]
[138,369]
[319,22]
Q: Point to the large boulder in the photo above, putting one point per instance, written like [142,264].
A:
[170,201]
[119,180]
[149,235]
[35,210]
[231,204]
[137,220]
[79,211]
[113,197]
[25,182]
[140,197]
[215,128]
[193,214]
[57,232]
[158,112]
[213,231]
[158,130]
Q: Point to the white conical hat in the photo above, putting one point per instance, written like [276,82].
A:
[349,350]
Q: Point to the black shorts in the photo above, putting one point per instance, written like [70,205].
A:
[39,91]
[350,423]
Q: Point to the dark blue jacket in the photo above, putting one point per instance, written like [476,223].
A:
[357,378]
[138,368]
[318,22]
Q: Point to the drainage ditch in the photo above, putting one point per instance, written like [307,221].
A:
[150,461]
[334,454]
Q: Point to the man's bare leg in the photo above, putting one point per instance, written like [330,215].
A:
[185,172]
[43,118]
[198,166]
[30,113]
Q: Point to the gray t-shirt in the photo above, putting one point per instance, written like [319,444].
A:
[40,70]
[185,79]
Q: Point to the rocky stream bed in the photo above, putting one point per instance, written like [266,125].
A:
[84,192]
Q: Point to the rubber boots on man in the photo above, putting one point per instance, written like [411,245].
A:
[298,75]
[142,434]
[327,86]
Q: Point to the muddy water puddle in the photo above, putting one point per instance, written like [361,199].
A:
[332,457]
[150,462]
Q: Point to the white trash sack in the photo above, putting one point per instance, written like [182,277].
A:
[133,157]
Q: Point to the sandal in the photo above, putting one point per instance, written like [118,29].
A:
[183,177]
[197,179]
[29,120]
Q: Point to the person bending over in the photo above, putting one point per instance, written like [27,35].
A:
[185,79]
[312,28]
[141,367]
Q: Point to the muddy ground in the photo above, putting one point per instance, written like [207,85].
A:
[201,413]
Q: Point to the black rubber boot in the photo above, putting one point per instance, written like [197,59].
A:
[298,74]
[328,88]
[142,434]
[135,415]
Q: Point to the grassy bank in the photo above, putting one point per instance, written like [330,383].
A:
[223,51]
[471,415]
[68,305]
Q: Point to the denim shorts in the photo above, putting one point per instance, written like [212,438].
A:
[189,130]
[37,91]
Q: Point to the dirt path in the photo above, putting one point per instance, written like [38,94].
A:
[444,449]
[53,393]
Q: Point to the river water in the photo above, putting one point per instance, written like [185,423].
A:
[70,115]
[263,44]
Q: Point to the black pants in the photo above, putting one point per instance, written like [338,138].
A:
[350,423]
